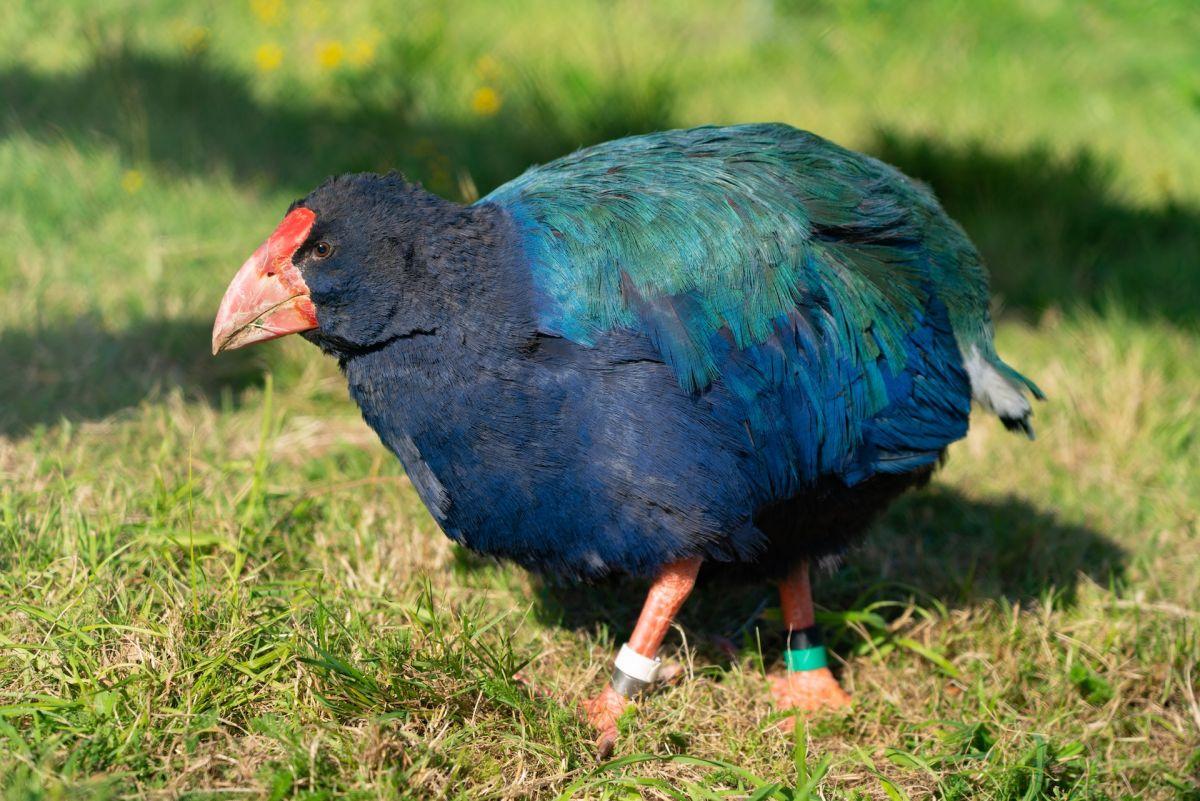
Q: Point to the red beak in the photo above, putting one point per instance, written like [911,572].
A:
[268,297]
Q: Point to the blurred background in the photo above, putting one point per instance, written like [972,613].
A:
[179,530]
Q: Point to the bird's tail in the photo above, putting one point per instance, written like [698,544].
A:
[1001,390]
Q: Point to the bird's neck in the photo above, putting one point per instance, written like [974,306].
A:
[482,287]
[475,313]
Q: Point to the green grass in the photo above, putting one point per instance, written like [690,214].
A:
[215,583]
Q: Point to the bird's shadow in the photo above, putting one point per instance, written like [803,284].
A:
[934,547]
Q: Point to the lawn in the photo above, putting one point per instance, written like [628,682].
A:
[215,583]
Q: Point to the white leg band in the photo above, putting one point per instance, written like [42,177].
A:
[636,666]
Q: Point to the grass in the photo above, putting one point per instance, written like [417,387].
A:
[215,583]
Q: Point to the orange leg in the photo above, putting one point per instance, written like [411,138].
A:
[667,594]
[807,684]
[795,599]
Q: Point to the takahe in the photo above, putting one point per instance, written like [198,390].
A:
[718,345]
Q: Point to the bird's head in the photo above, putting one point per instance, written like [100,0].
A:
[344,267]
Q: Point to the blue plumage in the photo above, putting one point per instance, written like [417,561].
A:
[734,343]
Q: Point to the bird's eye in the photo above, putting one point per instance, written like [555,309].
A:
[322,250]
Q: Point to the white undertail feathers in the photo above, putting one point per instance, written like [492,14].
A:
[1001,390]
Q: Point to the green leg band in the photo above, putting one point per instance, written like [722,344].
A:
[805,651]
[806,659]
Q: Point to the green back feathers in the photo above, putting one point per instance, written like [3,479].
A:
[744,222]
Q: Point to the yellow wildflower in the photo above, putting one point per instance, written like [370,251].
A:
[267,11]
[268,57]
[361,53]
[330,53]
[132,181]
[486,101]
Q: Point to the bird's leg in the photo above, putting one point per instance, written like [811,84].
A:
[637,665]
[806,683]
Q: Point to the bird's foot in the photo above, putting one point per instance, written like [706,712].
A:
[807,690]
[602,712]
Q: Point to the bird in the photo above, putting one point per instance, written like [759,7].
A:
[721,346]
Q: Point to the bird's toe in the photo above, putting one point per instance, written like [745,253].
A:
[808,691]
[602,713]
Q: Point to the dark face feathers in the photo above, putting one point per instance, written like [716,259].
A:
[402,263]
[370,261]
